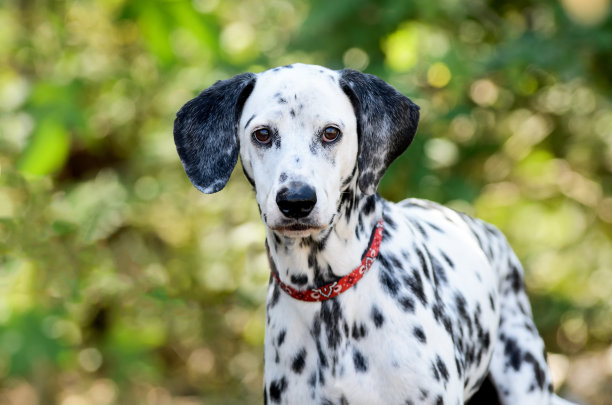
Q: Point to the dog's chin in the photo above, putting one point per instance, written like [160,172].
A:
[297,229]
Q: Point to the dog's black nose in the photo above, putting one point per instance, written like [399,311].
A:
[297,200]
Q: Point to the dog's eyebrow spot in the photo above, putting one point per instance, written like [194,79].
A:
[249,121]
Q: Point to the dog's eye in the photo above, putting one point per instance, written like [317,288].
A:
[330,134]
[262,135]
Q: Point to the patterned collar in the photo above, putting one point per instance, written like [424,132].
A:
[337,287]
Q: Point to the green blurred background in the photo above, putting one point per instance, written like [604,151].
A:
[122,284]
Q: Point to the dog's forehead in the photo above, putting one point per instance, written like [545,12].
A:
[299,70]
[298,83]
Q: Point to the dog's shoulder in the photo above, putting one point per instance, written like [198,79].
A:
[436,222]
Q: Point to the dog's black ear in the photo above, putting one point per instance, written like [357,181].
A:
[205,132]
[386,124]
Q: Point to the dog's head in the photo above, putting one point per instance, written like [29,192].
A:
[304,134]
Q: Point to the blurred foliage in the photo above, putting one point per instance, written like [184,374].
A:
[121,284]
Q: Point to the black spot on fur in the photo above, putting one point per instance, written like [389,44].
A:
[275,295]
[539,373]
[388,282]
[461,306]
[359,331]
[424,265]
[415,283]
[459,367]
[377,317]
[434,372]
[281,337]
[438,271]
[389,222]
[299,279]
[349,179]
[277,387]
[277,239]
[407,304]
[312,380]
[331,314]
[515,279]
[370,204]
[361,364]
[513,354]
[419,333]
[423,394]
[442,369]
[299,361]
[421,230]
[448,260]
[395,262]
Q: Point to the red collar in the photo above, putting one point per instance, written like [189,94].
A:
[338,287]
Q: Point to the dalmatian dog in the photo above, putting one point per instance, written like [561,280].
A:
[369,302]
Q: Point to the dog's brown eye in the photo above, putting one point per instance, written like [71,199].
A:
[330,134]
[262,135]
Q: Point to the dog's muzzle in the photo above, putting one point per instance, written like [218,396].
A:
[296,201]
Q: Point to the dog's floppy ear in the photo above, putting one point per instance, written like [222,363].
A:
[386,122]
[205,132]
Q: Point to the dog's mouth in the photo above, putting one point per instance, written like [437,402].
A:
[296,229]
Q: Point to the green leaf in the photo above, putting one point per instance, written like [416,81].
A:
[47,149]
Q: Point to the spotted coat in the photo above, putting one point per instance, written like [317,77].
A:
[441,311]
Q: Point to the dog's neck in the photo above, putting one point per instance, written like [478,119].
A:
[323,258]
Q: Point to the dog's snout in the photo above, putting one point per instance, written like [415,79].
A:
[297,200]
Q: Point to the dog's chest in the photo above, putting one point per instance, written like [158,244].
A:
[415,326]
[357,347]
